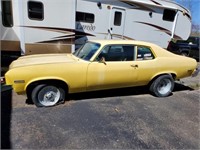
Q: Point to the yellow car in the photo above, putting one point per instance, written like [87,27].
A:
[98,65]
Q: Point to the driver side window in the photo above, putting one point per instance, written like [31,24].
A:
[117,53]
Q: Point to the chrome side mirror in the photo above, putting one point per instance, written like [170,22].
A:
[102,60]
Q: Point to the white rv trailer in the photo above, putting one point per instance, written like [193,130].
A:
[59,26]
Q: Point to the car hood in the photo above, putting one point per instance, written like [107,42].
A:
[42,59]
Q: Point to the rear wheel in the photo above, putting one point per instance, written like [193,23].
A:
[45,95]
[162,86]
[184,51]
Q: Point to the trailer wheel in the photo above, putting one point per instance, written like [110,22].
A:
[162,86]
[44,95]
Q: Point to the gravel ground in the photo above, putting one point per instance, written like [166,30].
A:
[193,82]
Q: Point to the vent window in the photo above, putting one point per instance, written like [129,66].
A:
[169,15]
[35,10]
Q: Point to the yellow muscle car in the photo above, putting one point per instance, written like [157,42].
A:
[98,65]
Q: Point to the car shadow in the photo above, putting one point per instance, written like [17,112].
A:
[132,91]
[180,87]
[109,93]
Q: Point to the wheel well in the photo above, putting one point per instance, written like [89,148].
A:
[59,83]
[171,74]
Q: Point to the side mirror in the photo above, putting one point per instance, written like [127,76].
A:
[102,60]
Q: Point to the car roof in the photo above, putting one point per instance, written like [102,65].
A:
[157,49]
[113,41]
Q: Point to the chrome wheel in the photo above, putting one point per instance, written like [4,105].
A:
[49,95]
[164,86]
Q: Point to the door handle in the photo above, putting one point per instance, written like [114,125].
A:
[135,66]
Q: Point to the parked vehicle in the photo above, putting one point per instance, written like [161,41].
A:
[98,65]
[189,47]
[61,26]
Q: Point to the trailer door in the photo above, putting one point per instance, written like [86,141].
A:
[116,29]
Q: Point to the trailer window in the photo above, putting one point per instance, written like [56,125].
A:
[118,18]
[7,17]
[84,17]
[35,10]
[169,15]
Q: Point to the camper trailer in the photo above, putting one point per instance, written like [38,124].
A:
[62,26]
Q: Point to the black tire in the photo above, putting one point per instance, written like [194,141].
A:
[184,53]
[162,86]
[45,95]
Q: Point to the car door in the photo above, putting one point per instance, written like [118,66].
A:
[147,64]
[113,68]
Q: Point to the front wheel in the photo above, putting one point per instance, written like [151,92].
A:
[47,95]
[162,86]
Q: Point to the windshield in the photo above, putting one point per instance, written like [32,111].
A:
[87,50]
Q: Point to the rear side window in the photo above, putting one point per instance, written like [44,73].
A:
[7,16]
[35,10]
[144,53]
[169,15]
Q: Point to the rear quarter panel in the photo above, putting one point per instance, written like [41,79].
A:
[179,66]
[167,62]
